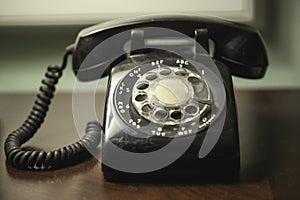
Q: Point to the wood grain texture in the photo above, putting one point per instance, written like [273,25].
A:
[269,140]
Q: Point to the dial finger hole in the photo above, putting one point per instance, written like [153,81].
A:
[146,108]
[181,73]
[165,71]
[142,86]
[141,97]
[194,80]
[177,115]
[191,109]
[161,114]
[151,76]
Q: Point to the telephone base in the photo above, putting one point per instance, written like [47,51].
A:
[181,170]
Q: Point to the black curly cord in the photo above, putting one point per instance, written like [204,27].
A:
[41,160]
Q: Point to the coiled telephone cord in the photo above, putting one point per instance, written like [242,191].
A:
[41,160]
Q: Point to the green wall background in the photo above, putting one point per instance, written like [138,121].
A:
[25,51]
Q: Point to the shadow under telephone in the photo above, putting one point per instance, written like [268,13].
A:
[170,107]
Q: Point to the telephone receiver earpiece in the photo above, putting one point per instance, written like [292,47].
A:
[243,52]
[238,46]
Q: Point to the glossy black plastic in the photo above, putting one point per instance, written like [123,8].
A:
[238,46]
[222,163]
[239,50]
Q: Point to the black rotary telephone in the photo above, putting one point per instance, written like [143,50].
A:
[170,107]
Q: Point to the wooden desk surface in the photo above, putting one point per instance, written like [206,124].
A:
[269,141]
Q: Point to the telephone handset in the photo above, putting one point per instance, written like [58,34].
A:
[170,107]
[238,46]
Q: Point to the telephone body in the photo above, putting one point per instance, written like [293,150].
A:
[157,97]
